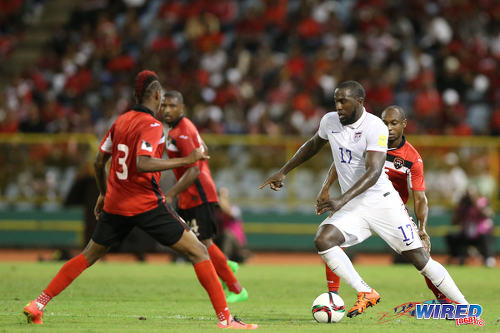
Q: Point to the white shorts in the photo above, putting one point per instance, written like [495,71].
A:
[384,214]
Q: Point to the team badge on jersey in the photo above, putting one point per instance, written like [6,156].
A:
[357,136]
[146,146]
[398,162]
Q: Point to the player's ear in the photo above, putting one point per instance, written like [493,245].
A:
[405,122]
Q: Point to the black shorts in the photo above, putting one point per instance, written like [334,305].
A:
[161,223]
[201,220]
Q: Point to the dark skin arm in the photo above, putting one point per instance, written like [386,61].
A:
[184,182]
[330,179]
[144,164]
[374,165]
[310,148]
[152,164]
[100,178]
[421,211]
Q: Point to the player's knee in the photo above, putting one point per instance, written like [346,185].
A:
[418,257]
[323,242]
[198,253]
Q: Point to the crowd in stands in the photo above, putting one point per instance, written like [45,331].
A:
[264,67]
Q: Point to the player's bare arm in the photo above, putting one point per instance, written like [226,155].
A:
[421,212]
[323,194]
[100,177]
[310,148]
[184,182]
[151,164]
[374,165]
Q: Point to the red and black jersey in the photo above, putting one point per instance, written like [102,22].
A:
[405,168]
[130,192]
[182,139]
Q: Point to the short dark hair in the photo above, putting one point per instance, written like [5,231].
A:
[399,109]
[144,86]
[174,94]
[355,87]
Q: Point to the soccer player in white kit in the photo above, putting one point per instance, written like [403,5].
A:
[369,203]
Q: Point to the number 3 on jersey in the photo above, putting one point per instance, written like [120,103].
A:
[122,161]
[345,155]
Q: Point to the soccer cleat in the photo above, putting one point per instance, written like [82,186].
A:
[33,313]
[233,265]
[365,299]
[234,298]
[237,324]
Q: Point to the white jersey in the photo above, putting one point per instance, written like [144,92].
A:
[349,145]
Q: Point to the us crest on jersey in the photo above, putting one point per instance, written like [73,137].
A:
[357,136]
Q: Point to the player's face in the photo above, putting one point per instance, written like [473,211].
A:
[171,109]
[349,108]
[394,122]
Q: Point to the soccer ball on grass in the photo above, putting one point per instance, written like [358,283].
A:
[328,308]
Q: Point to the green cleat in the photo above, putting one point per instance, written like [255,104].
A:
[234,298]
[233,265]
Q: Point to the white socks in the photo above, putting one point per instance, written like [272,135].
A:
[341,265]
[440,277]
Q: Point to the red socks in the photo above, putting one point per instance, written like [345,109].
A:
[207,276]
[332,280]
[64,277]
[439,295]
[226,274]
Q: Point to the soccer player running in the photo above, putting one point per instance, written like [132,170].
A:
[196,189]
[131,197]
[369,203]
[405,168]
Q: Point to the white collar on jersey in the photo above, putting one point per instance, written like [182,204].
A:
[359,121]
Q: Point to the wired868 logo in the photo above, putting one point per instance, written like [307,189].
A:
[462,314]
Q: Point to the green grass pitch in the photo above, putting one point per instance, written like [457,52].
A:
[111,297]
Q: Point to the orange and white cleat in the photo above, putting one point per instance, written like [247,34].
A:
[33,313]
[365,300]
[237,324]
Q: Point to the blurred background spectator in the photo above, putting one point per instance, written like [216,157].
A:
[267,66]
[231,237]
[473,216]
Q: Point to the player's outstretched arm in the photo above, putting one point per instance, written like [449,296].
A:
[310,148]
[421,212]
[151,164]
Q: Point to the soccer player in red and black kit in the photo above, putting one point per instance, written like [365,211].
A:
[405,169]
[131,197]
[195,188]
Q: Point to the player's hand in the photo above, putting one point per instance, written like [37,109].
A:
[168,198]
[323,195]
[426,240]
[275,182]
[99,206]
[197,154]
[332,205]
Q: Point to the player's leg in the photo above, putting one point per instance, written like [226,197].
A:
[332,280]
[438,275]
[236,292]
[328,240]
[108,230]
[204,217]
[164,225]
[68,272]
